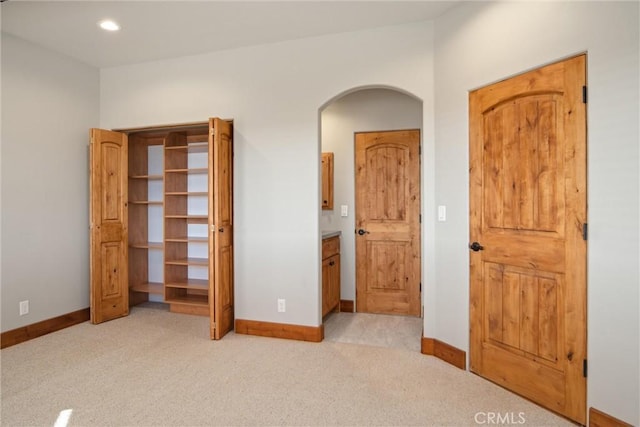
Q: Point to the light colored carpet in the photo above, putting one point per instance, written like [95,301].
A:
[155,368]
[401,332]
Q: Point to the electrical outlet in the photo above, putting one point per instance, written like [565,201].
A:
[281,305]
[24,307]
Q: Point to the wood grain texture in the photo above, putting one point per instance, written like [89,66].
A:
[108,213]
[444,351]
[427,346]
[527,204]
[388,211]
[330,275]
[198,310]
[327,181]
[600,419]
[175,204]
[346,306]
[138,211]
[280,330]
[35,330]
[221,273]
[330,247]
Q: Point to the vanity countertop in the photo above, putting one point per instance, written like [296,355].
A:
[327,234]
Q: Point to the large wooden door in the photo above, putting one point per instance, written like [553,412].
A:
[221,225]
[388,222]
[109,291]
[527,213]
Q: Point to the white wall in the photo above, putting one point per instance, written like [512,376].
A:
[48,104]
[361,111]
[479,43]
[273,93]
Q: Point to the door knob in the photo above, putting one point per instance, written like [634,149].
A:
[475,246]
[362,232]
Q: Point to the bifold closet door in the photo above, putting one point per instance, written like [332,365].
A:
[108,225]
[221,226]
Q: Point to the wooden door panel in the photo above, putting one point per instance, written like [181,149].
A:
[112,188]
[224,298]
[527,209]
[523,250]
[221,298]
[386,183]
[327,181]
[334,283]
[111,275]
[326,286]
[387,269]
[521,165]
[112,292]
[522,311]
[507,370]
[109,226]
[388,212]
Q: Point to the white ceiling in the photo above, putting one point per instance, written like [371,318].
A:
[153,30]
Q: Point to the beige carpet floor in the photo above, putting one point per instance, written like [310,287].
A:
[155,368]
[401,332]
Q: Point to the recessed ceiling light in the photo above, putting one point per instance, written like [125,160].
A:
[109,25]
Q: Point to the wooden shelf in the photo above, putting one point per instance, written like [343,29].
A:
[187,239]
[199,284]
[149,288]
[194,147]
[189,171]
[147,245]
[149,177]
[190,219]
[146,202]
[188,261]
[186,193]
[191,299]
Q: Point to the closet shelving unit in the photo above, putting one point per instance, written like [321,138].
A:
[162,220]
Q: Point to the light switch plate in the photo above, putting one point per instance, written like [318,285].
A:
[442,213]
[344,210]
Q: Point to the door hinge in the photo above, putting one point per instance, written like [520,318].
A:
[584,94]
[585,231]
[420,149]
[420,286]
[584,368]
[420,218]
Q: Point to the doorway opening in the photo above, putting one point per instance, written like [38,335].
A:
[361,110]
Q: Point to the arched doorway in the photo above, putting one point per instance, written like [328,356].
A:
[361,110]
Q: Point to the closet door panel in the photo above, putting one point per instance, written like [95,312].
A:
[221,225]
[109,223]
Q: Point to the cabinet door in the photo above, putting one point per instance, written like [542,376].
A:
[334,283]
[327,181]
[108,226]
[330,284]
[221,227]
[326,284]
